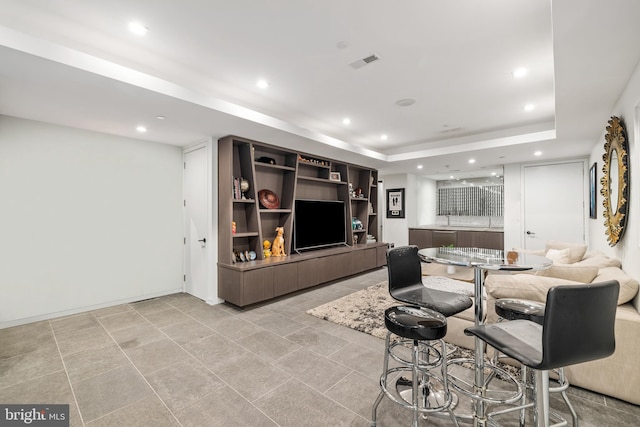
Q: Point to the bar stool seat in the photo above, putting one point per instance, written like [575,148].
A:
[415,323]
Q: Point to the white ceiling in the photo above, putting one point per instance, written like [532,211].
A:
[75,63]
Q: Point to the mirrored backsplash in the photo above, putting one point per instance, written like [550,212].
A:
[475,202]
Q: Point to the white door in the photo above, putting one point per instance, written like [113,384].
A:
[554,207]
[195,215]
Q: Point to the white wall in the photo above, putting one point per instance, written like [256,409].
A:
[396,230]
[87,220]
[426,201]
[627,250]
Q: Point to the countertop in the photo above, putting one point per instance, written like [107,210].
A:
[457,228]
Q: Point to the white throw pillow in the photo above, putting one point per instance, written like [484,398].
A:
[576,250]
[559,256]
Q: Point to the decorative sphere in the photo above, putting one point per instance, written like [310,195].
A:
[244,185]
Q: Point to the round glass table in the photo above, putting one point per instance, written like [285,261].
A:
[482,260]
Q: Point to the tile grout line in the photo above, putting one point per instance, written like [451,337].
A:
[207,368]
[66,373]
[137,370]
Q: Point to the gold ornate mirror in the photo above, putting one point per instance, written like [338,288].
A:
[615,180]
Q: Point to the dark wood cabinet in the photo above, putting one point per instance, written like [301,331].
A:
[433,238]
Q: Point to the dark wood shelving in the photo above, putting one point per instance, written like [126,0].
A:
[244,283]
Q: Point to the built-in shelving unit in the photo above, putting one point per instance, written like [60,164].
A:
[290,175]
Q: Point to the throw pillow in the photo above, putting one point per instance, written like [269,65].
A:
[559,256]
[570,272]
[577,250]
[628,285]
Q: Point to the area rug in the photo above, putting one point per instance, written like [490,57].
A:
[364,311]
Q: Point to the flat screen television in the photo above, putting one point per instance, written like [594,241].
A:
[318,224]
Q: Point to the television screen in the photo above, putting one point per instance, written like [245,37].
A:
[318,223]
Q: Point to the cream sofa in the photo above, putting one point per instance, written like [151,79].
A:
[618,375]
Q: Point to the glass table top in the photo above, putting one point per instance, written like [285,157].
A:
[489,259]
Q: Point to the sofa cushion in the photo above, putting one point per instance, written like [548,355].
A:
[577,250]
[598,259]
[524,286]
[583,274]
[559,256]
[628,285]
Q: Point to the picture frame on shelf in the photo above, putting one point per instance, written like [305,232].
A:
[593,213]
[395,203]
[335,176]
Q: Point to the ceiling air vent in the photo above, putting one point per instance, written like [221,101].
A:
[364,61]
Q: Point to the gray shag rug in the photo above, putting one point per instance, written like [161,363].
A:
[362,310]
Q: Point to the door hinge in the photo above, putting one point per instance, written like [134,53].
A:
[184,278]
[184,203]
[184,241]
[185,165]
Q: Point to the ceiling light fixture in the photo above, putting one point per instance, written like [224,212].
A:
[451,177]
[419,166]
[384,137]
[137,28]
[141,129]
[493,174]
[262,84]
[160,117]
[407,102]
[529,107]
[472,160]
[538,153]
[519,72]
[346,121]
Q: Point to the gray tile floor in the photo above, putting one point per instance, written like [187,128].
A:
[175,361]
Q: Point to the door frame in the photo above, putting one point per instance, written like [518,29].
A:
[212,218]
[585,195]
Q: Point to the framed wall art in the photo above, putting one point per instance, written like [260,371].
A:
[395,203]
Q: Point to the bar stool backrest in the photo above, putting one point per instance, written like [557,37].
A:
[404,268]
[579,324]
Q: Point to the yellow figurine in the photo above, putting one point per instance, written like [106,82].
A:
[266,248]
[278,243]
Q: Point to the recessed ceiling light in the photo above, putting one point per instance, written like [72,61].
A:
[141,129]
[346,121]
[419,166]
[160,117]
[407,102]
[529,107]
[262,84]
[137,28]
[538,153]
[519,72]
[493,174]
[451,177]
[472,160]
[384,137]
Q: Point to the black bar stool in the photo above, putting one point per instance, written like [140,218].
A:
[578,326]
[522,309]
[422,327]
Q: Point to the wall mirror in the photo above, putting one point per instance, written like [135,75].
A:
[615,180]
